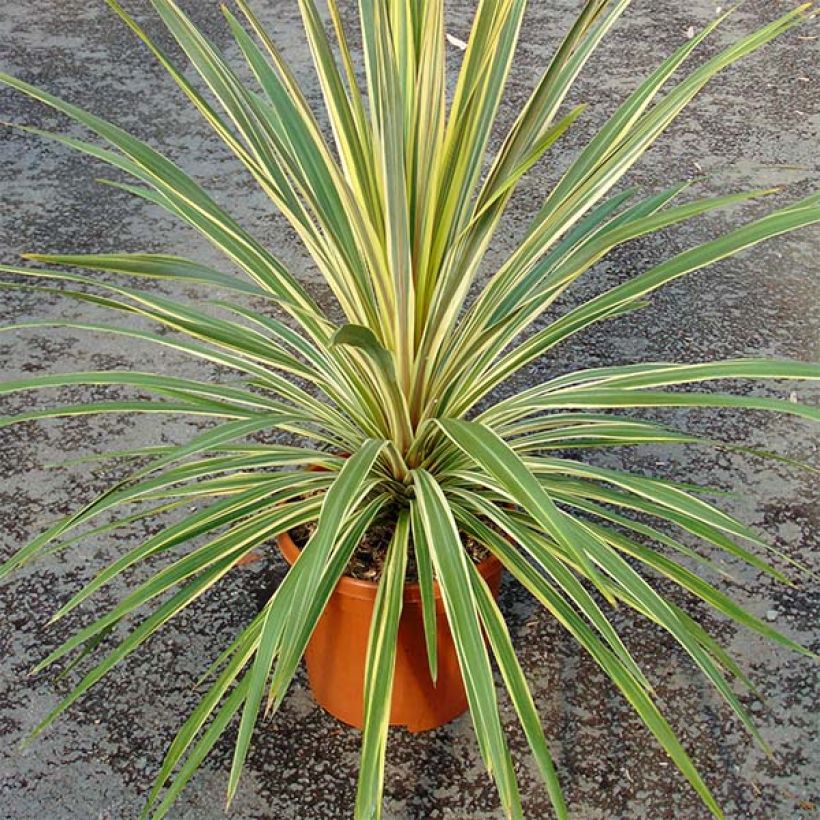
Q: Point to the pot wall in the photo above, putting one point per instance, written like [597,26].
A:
[335,656]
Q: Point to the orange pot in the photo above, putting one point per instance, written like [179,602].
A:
[335,656]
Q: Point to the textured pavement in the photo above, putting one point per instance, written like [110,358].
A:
[755,126]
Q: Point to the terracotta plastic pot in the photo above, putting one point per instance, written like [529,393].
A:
[335,656]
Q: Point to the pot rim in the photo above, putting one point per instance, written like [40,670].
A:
[366,590]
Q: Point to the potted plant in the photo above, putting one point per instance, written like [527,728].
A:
[398,454]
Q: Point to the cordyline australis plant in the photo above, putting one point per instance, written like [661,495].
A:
[397,208]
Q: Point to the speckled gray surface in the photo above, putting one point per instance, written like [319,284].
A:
[98,761]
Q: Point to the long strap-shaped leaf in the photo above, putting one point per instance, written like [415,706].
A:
[345,492]
[537,113]
[548,280]
[588,497]
[233,703]
[516,684]
[211,562]
[188,201]
[275,490]
[587,179]
[387,113]
[190,408]
[617,146]
[235,542]
[144,381]
[269,176]
[342,496]
[152,266]
[665,374]
[498,459]
[219,435]
[632,690]
[378,675]
[799,215]
[647,600]
[693,583]
[585,188]
[163,266]
[543,553]
[181,317]
[603,398]
[468,353]
[256,353]
[450,562]
[424,569]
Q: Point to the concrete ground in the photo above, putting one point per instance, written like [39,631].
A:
[755,126]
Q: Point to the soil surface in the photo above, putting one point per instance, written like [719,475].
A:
[367,562]
[755,126]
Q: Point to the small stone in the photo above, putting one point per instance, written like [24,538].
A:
[456,41]
[771,614]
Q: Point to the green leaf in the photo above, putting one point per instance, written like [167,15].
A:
[341,498]
[110,498]
[378,676]
[551,562]
[186,199]
[275,489]
[364,339]
[151,266]
[632,690]
[424,569]
[516,684]
[496,457]
[452,570]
